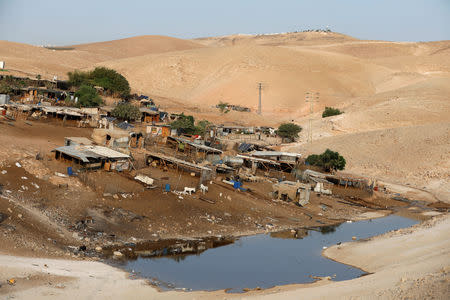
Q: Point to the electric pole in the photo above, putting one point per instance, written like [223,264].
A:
[312,98]
[259,103]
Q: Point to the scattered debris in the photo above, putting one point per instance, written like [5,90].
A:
[11,281]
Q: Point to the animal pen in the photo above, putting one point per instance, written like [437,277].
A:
[165,161]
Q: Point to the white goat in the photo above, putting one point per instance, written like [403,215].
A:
[203,188]
[188,190]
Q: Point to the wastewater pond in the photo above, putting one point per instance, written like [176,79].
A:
[263,260]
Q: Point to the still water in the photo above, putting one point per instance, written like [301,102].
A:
[263,260]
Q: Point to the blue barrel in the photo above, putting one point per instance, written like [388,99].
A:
[167,187]
[69,171]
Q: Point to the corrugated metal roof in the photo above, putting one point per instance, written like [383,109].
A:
[275,153]
[106,152]
[148,111]
[73,152]
[85,152]
[178,161]
[203,147]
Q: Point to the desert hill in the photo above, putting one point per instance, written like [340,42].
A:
[32,60]
[136,46]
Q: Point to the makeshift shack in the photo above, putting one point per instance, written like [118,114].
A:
[149,115]
[194,150]
[158,130]
[114,138]
[292,191]
[93,157]
[165,161]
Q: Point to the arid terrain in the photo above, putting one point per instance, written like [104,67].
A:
[395,128]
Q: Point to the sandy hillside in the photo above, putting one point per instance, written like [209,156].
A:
[23,59]
[207,76]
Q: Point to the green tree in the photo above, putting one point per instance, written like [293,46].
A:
[126,111]
[185,124]
[88,96]
[202,126]
[289,131]
[329,160]
[330,111]
[77,78]
[110,80]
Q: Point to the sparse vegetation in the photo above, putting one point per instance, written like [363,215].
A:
[109,79]
[223,107]
[5,88]
[328,161]
[186,124]
[330,111]
[87,97]
[289,131]
[202,126]
[126,111]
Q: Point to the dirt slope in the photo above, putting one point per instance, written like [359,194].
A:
[137,46]
[207,76]
[28,60]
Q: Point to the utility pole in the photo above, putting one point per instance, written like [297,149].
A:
[259,103]
[312,98]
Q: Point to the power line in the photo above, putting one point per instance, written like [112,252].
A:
[312,98]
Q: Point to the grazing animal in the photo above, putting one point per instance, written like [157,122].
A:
[188,190]
[203,188]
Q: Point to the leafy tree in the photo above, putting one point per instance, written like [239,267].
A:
[330,111]
[201,127]
[77,78]
[110,80]
[289,131]
[329,160]
[184,124]
[126,111]
[88,96]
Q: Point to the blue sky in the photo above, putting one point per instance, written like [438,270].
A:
[65,22]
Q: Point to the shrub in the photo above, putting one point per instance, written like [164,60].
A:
[330,111]
[5,88]
[289,131]
[184,124]
[88,96]
[78,78]
[126,111]
[329,160]
[201,127]
[108,79]
[223,107]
